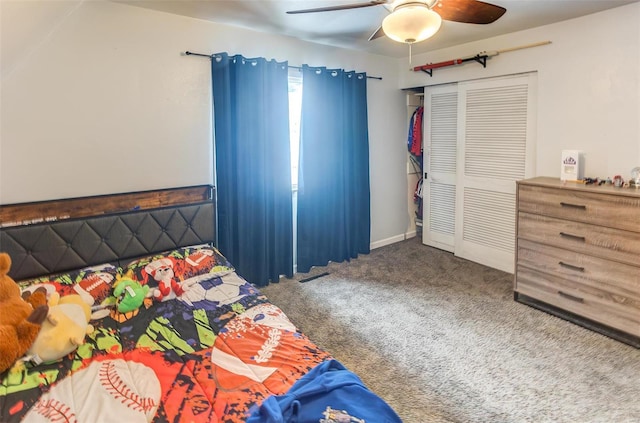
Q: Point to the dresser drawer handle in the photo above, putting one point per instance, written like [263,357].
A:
[574,206]
[571,266]
[574,237]
[571,297]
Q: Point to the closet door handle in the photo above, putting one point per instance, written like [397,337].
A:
[571,266]
[571,236]
[573,206]
[571,297]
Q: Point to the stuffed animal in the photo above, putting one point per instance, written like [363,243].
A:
[130,295]
[20,319]
[161,271]
[63,330]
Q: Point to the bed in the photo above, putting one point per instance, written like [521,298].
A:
[203,346]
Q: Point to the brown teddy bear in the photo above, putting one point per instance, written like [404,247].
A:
[20,318]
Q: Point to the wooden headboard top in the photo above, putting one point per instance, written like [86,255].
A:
[55,236]
[72,208]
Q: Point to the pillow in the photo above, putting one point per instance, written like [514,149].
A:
[92,283]
[179,265]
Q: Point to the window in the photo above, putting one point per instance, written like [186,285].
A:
[295,108]
[295,112]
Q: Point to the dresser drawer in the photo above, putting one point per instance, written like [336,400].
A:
[584,300]
[621,281]
[600,241]
[614,211]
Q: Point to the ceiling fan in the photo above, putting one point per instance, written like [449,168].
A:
[413,21]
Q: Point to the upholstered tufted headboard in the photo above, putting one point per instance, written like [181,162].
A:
[53,245]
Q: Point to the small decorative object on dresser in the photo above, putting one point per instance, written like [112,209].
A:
[578,254]
[635,176]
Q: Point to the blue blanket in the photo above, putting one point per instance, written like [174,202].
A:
[329,393]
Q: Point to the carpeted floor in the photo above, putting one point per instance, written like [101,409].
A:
[442,340]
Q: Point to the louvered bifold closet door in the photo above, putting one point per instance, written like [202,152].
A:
[439,162]
[495,149]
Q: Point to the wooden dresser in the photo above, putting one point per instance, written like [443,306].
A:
[578,254]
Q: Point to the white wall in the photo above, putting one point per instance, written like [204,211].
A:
[588,86]
[98,99]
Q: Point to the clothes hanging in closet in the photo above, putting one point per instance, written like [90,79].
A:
[414,140]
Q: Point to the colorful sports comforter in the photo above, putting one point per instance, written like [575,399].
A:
[202,346]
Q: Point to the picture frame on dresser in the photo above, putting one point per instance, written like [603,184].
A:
[578,254]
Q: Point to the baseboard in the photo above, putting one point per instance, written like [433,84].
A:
[388,241]
[411,234]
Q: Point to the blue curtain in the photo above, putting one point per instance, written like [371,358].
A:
[253,166]
[334,220]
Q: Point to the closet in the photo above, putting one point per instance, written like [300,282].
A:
[479,139]
[414,161]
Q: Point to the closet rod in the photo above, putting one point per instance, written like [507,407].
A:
[189,53]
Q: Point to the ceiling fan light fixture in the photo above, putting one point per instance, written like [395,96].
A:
[411,23]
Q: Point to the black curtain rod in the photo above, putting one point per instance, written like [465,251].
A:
[189,53]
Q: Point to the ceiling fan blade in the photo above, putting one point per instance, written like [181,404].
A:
[379,33]
[468,11]
[341,7]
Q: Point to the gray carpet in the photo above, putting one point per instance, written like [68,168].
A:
[442,340]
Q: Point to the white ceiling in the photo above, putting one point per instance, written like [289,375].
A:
[352,28]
